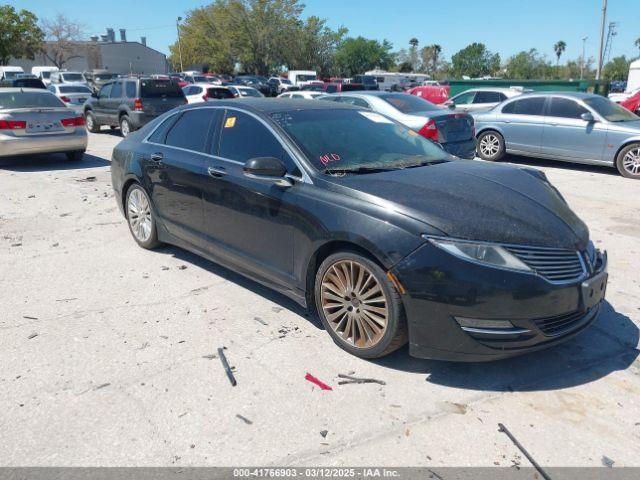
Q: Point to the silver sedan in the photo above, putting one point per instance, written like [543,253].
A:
[72,94]
[35,121]
[567,126]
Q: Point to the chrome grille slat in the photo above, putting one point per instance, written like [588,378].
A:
[555,264]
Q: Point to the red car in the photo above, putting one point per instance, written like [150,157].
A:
[433,93]
[632,103]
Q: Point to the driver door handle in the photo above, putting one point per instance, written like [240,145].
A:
[157,157]
[217,171]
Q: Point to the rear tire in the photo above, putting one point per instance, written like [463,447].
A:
[359,306]
[90,121]
[628,161]
[490,146]
[75,156]
[141,217]
[125,126]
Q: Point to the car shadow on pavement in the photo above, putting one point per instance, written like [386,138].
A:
[542,163]
[609,345]
[50,162]
[242,281]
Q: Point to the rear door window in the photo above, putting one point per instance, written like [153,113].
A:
[192,130]
[565,108]
[358,102]
[116,90]
[526,106]
[130,88]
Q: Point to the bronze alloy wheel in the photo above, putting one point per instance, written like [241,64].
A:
[354,303]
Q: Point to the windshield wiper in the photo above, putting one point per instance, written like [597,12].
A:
[334,171]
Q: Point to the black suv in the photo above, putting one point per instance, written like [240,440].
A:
[130,103]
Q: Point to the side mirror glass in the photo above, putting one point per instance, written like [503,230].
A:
[269,169]
[587,117]
[450,104]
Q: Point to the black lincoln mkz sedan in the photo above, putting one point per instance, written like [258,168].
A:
[389,237]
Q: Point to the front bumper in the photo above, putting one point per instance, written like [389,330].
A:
[46,143]
[443,291]
[465,149]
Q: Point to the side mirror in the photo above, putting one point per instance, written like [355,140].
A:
[94,95]
[449,104]
[268,169]
[587,117]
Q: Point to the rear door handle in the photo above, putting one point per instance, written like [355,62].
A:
[157,157]
[217,171]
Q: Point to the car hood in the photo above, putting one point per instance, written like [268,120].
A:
[630,127]
[476,201]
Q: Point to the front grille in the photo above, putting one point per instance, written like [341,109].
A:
[557,265]
[552,326]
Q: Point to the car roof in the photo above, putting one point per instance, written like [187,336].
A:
[494,89]
[204,84]
[267,106]
[575,95]
[25,90]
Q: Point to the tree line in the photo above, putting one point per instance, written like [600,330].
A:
[267,37]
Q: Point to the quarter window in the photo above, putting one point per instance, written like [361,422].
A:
[191,131]
[526,106]
[565,108]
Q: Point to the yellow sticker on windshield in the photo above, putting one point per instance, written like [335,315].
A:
[412,133]
[230,123]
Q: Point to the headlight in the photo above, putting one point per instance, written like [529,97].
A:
[484,253]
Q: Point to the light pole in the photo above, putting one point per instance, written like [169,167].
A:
[584,40]
[604,17]
[179,43]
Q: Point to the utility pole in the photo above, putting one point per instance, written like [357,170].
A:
[180,43]
[584,40]
[604,17]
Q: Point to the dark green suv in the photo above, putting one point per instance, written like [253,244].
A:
[130,103]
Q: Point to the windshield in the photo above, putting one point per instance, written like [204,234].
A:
[77,89]
[610,111]
[306,78]
[408,103]
[45,75]
[11,100]
[160,89]
[285,81]
[200,78]
[368,79]
[72,77]
[356,141]
[11,75]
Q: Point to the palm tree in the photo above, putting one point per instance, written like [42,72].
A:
[414,42]
[559,49]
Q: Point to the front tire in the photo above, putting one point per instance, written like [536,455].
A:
[628,161]
[90,121]
[490,146]
[140,217]
[359,306]
[125,126]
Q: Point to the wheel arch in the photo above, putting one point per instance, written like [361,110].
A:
[327,249]
[626,143]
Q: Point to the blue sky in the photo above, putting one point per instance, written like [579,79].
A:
[504,26]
